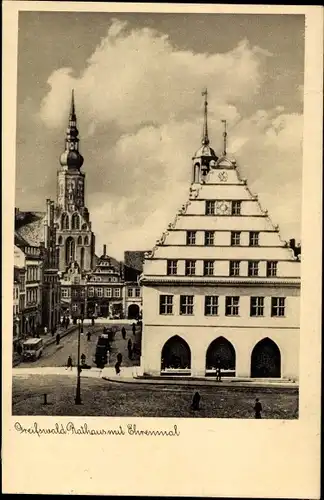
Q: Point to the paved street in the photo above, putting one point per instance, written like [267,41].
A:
[57,355]
[102,398]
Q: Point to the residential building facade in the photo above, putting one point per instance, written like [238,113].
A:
[221,288]
[133,268]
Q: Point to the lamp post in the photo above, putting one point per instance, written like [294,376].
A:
[78,387]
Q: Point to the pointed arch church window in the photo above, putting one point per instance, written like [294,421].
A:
[86,240]
[69,251]
[65,221]
[79,240]
[75,221]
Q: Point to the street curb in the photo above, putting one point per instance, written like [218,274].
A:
[248,385]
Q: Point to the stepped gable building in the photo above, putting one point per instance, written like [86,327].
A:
[104,288]
[220,288]
[75,239]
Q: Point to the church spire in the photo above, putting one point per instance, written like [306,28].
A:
[205,138]
[71,157]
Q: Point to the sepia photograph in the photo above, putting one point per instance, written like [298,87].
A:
[157,225]
[162,240]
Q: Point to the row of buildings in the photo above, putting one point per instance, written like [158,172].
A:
[56,270]
[220,287]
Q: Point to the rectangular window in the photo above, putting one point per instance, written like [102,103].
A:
[211,305]
[91,291]
[232,306]
[172,267]
[257,306]
[107,292]
[278,306]
[235,238]
[74,307]
[236,208]
[130,292]
[117,292]
[65,293]
[208,267]
[253,268]
[234,268]
[99,292]
[166,304]
[254,239]
[191,237]
[137,292]
[210,207]
[190,267]
[186,304]
[74,293]
[82,292]
[272,268]
[209,238]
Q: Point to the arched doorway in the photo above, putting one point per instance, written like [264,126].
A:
[133,311]
[176,356]
[266,360]
[221,352]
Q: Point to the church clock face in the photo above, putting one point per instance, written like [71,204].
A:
[222,208]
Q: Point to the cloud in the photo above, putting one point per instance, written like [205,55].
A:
[139,107]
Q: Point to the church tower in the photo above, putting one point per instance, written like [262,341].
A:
[75,240]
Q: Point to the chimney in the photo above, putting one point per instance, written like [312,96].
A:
[104,250]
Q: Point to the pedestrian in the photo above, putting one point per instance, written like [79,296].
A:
[257,408]
[134,328]
[130,349]
[195,401]
[117,368]
[69,363]
[58,338]
[123,333]
[218,371]
[92,321]
[119,358]
[45,330]
[88,336]
[83,359]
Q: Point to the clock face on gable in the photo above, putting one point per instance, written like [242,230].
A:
[222,208]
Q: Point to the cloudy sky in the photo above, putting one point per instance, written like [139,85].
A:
[138,80]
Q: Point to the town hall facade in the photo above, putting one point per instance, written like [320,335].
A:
[220,287]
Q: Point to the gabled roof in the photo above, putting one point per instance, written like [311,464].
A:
[29,228]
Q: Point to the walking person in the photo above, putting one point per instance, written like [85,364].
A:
[134,328]
[117,368]
[218,371]
[88,336]
[69,363]
[257,408]
[83,359]
[130,349]
[123,333]
[45,330]
[195,401]
[58,338]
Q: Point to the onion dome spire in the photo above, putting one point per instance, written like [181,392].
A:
[71,158]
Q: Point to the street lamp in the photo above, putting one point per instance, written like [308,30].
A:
[78,387]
